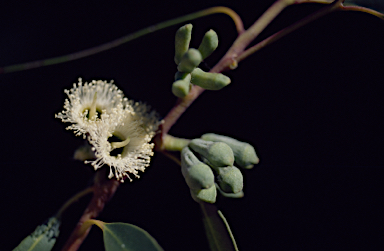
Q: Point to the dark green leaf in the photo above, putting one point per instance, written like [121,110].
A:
[218,237]
[43,238]
[123,236]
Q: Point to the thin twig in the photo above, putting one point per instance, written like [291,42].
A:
[172,157]
[107,46]
[363,9]
[73,199]
[289,29]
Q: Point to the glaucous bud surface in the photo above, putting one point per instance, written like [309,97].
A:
[230,179]
[209,80]
[209,43]
[182,85]
[218,154]
[182,40]
[189,61]
[206,195]
[196,174]
[245,154]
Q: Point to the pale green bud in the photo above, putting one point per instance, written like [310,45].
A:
[230,195]
[182,75]
[182,85]
[207,195]
[217,153]
[245,154]
[230,179]
[189,61]
[209,80]
[209,43]
[196,174]
[182,39]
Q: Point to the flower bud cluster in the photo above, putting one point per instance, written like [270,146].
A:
[208,163]
[99,112]
[188,60]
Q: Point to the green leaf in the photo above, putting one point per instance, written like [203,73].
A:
[218,232]
[43,238]
[123,236]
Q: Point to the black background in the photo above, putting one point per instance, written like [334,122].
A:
[310,103]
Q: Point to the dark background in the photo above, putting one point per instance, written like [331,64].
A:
[310,103]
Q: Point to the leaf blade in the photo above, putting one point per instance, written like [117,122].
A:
[128,237]
[218,237]
[43,238]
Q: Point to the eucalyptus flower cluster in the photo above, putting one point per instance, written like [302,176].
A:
[188,60]
[207,165]
[119,130]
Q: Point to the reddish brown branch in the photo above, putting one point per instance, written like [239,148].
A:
[104,189]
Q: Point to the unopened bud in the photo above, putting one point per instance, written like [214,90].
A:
[196,174]
[218,154]
[209,43]
[245,154]
[209,80]
[182,39]
[207,195]
[230,179]
[230,195]
[182,85]
[189,61]
[182,76]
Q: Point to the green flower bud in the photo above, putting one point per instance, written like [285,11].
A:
[182,85]
[189,61]
[208,80]
[182,39]
[182,75]
[230,179]
[207,195]
[230,195]
[245,155]
[217,153]
[209,43]
[196,174]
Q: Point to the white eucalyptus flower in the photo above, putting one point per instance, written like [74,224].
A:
[133,134]
[112,123]
[87,101]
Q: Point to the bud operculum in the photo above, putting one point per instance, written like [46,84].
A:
[209,43]
[189,61]
[209,80]
[245,154]
[182,85]
[217,153]
[230,179]
[230,195]
[196,174]
[182,40]
[206,195]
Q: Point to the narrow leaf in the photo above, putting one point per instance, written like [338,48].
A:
[43,238]
[123,236]
[218,237]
